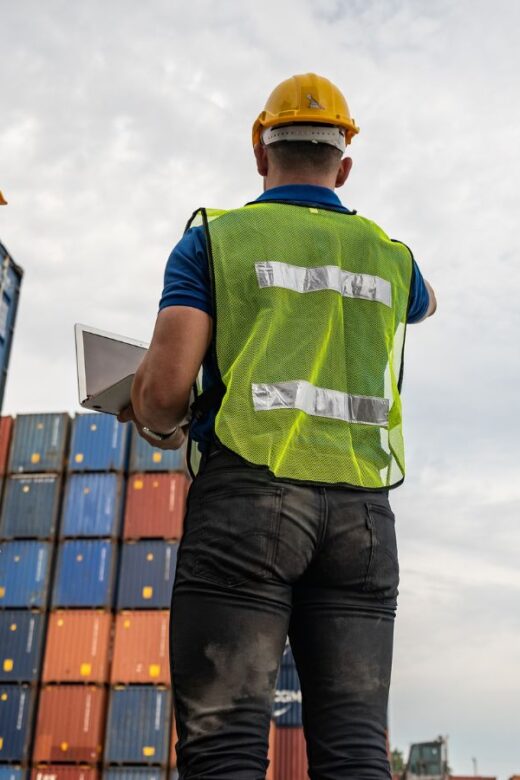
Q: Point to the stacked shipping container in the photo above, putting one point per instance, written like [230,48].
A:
[77,657]
[28,524]
[140,709]
[105,702]
[290,758]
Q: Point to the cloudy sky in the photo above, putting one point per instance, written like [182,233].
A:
[119,118]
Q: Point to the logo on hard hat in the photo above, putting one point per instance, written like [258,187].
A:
[313,103]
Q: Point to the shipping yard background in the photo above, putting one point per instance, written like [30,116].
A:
[117,122]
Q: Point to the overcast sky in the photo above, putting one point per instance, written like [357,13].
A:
[119,118]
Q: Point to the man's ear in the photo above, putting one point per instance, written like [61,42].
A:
[261,159]
[344,169]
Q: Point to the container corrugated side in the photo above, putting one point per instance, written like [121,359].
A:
[12,772]
[24,573]
[39,443]
[84,573]
[99,443]
[77,646]
[146,575]
[70,724]
[141,647]
[290,755]
[287,704]
[270,775]
[134,773]
[144,457]
[64,772]
[93,505]
[16,721]
[21,644]
[6,428]
[30,507]
[11,276]
[155,506]
[173,742]
[138,725]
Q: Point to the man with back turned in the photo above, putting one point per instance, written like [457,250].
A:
[297,309]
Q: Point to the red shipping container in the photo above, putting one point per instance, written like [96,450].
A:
[290,754]
[64,772]
[6,427]
[77,648]
[271,753]
[175,737]
[155,505]
[141,647]
[70,724]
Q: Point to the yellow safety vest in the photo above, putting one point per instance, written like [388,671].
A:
[310,321]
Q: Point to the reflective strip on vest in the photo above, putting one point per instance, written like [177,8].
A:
[320,402]
[271,273]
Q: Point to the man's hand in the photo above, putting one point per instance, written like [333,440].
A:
[173,443]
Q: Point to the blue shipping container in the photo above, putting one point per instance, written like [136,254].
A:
[146,574]
[144,457]
[24,573]
[93,505]
[16,721]
[11,772]
[138,725]
[39,443]
[10,282]
[21,645]
[84,574]
[134,773]
[30,507]
[99,443]
[287,704]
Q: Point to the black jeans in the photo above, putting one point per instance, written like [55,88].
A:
[261,558]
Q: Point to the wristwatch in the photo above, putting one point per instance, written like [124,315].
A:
[159,436]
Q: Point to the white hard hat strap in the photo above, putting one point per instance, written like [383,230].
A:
[317,134]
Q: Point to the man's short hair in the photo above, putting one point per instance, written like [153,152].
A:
[291,155]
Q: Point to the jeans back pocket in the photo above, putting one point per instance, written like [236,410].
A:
[238,535]
[383,567]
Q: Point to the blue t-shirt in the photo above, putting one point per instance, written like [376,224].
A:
[187,283]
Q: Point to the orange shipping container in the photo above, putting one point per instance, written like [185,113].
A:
[64,772]
[70,724]
[77,646]
[141,647]
[6,427]
[290,754]
[155,506]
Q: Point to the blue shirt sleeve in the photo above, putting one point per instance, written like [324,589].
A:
[186,277]
[420,298]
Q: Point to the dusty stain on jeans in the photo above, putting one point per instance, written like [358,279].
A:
[243,676]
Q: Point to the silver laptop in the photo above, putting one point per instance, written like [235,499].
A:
[106,366]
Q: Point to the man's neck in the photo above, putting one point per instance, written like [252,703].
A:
[279,179]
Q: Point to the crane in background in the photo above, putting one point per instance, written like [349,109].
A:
[429,761]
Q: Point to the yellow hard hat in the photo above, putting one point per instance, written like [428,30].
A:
[3,201]
[306,98]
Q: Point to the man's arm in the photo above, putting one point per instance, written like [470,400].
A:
[163,382]
[432,305]
[423,302]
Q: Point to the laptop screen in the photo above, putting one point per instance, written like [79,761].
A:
[108,360]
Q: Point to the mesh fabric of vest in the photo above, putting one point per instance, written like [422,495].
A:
[272,335]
